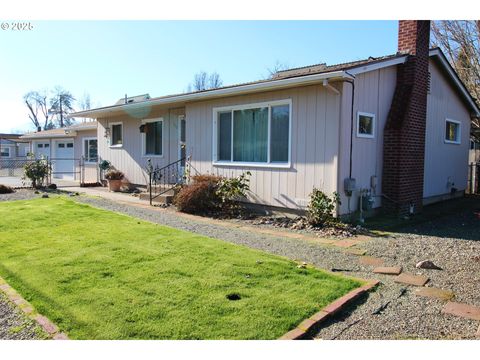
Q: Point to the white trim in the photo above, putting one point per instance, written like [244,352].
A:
[378,65]
[144,142]
[267,104]
[222,92]
[83,149]
[459,134]
[110,125]
[374,125]
[454,76]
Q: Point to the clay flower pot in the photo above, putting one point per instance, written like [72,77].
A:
[114,185]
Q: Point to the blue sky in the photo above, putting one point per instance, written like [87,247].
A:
[110,58]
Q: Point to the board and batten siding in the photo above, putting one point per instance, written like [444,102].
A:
[314,145]
[373,94]
[91,173]
[444,163]
[129,157]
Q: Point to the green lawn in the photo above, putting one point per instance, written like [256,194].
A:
[103,275]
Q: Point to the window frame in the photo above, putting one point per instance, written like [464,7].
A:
[233,108]
[144,138]
[455,142]
[374,125]
[84,149]
[3,149]
[111,134]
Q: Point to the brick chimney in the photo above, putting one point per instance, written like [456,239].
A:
[404,135]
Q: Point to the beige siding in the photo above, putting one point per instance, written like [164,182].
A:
[373,94]
[128,158]
[314,145]
[444,162]
[90,174]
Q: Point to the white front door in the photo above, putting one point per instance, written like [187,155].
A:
[63,163]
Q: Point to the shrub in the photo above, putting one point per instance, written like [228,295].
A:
[199,197]
[230,190]
[36,171]
[114,175]
[4,189]
[321,208]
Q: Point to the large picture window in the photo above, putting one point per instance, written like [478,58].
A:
[153,138]
[90,151]
[254,134]
[5,152]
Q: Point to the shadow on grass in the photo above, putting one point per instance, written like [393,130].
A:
[457,219]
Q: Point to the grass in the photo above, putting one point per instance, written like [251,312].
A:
[103,275]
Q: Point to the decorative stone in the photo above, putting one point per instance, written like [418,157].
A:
[358,252]
[45,196]
[435,293]
[427,264]
[393,270]
[47,325]
[294,334]
[60,336]
[409,279]
[462,310]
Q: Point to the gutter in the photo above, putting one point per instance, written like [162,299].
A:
[216,93]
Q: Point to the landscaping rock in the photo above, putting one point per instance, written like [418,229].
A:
[393,270]
[462,310]
[427,264]
[45,196]
[370,261]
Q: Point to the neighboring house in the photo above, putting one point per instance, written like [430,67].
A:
[474,154]
[72,150]
[403,138]
[11,148]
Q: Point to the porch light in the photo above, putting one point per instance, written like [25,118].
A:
[142,128]
[107,132]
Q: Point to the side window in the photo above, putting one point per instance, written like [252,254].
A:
[365,125]
[117,135]
[452,131]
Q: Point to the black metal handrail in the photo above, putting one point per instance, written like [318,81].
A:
[165,178]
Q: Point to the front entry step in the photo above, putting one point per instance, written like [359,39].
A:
[161,199]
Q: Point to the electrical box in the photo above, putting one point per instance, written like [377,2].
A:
[349,186]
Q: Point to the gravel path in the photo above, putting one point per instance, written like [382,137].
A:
[406,316]
[14,325]
[21,194]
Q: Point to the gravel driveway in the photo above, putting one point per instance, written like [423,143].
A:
[404,315]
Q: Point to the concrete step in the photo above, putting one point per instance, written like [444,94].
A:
[161,199]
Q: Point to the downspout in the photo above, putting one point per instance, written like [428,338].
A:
[351,82]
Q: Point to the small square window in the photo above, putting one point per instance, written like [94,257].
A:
[365,125]
[70,145]
[61,145]
[40,146]
[452,132]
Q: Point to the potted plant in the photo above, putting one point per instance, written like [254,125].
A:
[114,178]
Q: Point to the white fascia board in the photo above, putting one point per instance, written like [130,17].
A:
[47,136]
[453,75]
[222,92]
[379,65]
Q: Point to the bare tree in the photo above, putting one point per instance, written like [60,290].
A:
[85,103]
[37,105]
[460,41]
[203,81]
[279,66]
[61,105]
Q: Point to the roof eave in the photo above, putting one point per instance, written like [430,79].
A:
[458,83]
[218,93]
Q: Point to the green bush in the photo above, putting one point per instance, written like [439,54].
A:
[114,175]
[4,189]
[231,190]
[37,171]
[321,208]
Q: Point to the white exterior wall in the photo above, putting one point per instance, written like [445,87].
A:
[373,94]
[444,162]
[128,158]
[314,145]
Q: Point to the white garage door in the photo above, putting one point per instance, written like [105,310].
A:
[63,162]
[42,149]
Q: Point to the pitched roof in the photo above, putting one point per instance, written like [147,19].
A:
[291,77]
[62,132]
[132,99]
